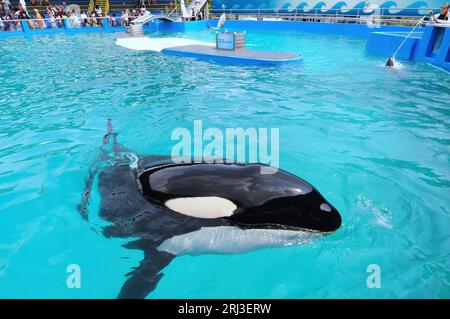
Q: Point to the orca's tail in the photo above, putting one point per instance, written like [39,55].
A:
[109,132]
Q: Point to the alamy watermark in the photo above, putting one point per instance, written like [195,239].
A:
[74,278]
[374,278]
[232,145]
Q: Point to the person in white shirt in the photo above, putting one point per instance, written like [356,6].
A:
[83,18]
[75,21]
[6,6]
[146,13]
[125,17]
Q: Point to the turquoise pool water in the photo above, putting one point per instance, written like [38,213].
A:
[375,142]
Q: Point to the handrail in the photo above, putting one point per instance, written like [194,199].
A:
[375,16]
[58,20]
[173,10]
[319,10]
[14,20]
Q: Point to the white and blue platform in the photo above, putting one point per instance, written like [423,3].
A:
[206,51]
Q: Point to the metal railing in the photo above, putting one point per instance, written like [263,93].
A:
[176,11]
[51,23]
[359,16]
[10,25]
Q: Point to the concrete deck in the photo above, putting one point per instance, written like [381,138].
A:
[154,44]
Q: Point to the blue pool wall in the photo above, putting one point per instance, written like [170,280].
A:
[386,43]
[352,30]
[423,52]
[416,48]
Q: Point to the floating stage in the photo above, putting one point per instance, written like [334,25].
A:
[243,55]
[207,51]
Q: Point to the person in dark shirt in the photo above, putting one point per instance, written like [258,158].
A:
[442,16]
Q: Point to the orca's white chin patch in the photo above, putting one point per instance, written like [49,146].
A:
[202,207]
[233,240]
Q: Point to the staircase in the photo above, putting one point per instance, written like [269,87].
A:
[104,4]
[138,23]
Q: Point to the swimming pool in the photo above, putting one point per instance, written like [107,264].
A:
[374,141]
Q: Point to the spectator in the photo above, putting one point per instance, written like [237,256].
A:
[21,14]
[40,24]
[92,19]
[98,11]
[126,18]
[24,7]
[52,20]
[6,6]
[84,19]
[74,20]
[441,17]
[112,20]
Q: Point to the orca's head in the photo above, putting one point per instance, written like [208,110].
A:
[390,62]
[240,194]
[308,211]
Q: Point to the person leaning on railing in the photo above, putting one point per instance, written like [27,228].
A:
[84,19]
[443,16]
[21,14]
[40,24]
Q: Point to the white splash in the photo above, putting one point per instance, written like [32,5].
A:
[382,215]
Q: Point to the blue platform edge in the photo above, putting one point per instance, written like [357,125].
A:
[230,59]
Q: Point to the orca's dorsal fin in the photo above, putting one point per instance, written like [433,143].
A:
[82,207]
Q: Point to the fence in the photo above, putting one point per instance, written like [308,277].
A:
[406,16]
[73,23]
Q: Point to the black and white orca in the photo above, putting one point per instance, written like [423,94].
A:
[197,207]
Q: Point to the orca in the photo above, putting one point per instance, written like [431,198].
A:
[390,62]
[168,209]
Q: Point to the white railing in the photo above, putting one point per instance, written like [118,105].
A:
[361,16]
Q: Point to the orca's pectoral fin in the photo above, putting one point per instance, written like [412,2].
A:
[144,278]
